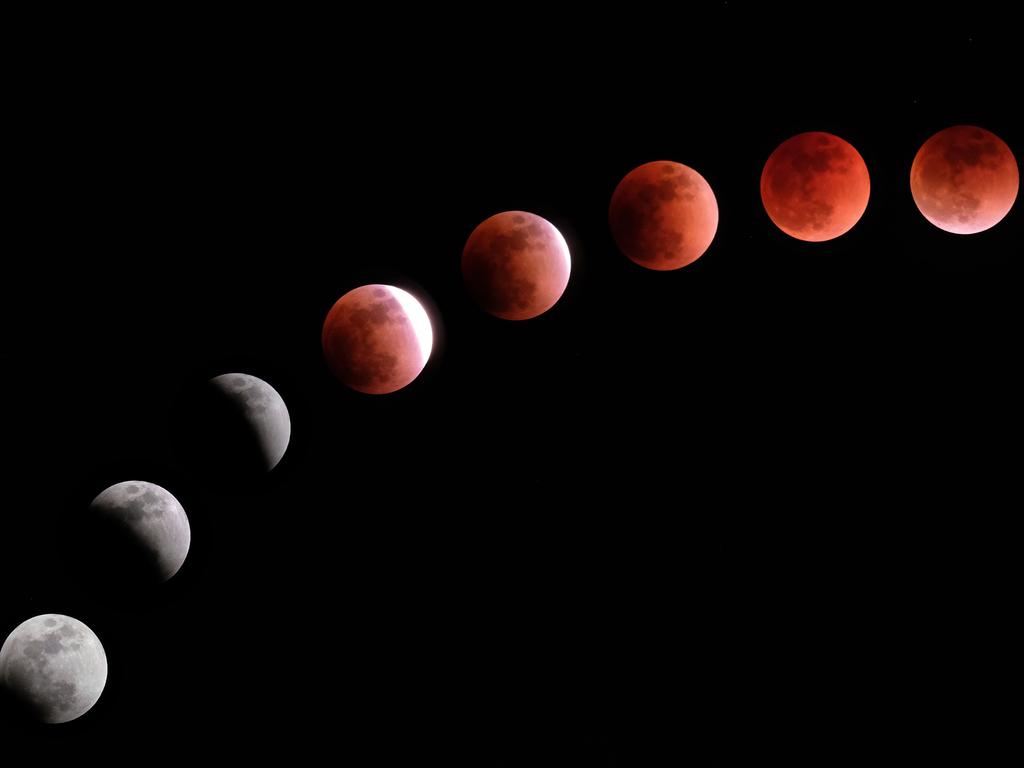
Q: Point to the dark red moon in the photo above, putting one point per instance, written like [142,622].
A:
[516,265]
[377,338]
[964,179]
[815,186]
[663,215]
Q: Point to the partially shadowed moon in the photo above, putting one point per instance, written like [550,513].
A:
[144,526]
[815,186]
[54,667]
[964,179]
[262,413]
[663,215]
[377,339]
[516,265]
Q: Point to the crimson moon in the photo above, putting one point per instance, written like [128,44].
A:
[964,179]
[663,215]
[377,339]
[815,186]
[516,265]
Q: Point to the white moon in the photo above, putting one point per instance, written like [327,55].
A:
[263,411]
[153,519]
[55,666]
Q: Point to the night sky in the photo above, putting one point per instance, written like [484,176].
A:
[756,506]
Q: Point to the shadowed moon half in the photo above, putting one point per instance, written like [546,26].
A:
[53,666]
[815,186]
[663,215]
[964,179]
[516,265]
[377,339]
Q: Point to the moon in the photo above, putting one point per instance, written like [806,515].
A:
[377,339]
[54,666]
[145,523]
[815,186]
[516,265]
[663,215]
[964,179]
[262,411]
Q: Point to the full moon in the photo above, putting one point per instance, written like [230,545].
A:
[663,215]
[964,179]
[262,413]
[815,186]
[516,265]
[377,339]
[54,666]
[145,525]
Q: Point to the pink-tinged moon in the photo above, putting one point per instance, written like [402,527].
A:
[377,338]
[516,265]
[663,215]
[964,179]
[815,186]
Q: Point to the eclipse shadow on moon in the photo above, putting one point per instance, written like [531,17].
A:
[516,265]
[815,186]
[260,413]
[141,535]
[964,179]
[377,339]
[663,215]
[53,668]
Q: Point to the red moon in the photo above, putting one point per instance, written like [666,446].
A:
[516,265]
[663,215]
[815,186]
[377,338]
[964,179]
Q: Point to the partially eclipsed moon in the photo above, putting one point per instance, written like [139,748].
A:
[148,519]
[262,411]
[663,215]
[964,179]
[54,666]
[815,186]
[377,339]
[516,265]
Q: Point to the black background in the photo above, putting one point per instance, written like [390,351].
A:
[760,505]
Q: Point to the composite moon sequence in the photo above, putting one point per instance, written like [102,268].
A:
[377,339]
[663,215]
[964,179]
[516,265]
[815,186]
[54,666]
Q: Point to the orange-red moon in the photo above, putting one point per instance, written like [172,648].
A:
[516,265]
[663,215]
[964,179]
[377,338]
[815,186]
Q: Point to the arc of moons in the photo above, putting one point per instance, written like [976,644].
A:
[516,265]
[153,520]
[815,186]
[54,666]
[964,179]
[377,339]
[663,215]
